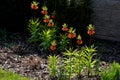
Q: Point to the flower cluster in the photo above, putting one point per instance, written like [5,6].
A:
[48,37]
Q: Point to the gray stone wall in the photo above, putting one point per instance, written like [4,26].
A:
[107,19]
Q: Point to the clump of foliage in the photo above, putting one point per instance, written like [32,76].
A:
[53,66]
[113,73]
[74,63]
[49,35]
[8,75]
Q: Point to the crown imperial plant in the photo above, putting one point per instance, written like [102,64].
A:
[34,5]
[79,40]
[91,30]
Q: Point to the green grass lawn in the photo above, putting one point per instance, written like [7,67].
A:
[8,75]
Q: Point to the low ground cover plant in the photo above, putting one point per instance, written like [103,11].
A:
[8,75]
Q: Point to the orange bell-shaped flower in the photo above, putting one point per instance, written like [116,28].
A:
[65,29]
[53,46]
[44,12]
[79,40]
[90,32]
[71,35]
[51,23]
[53,16]
[34,7]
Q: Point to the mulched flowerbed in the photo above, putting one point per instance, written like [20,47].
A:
[34,64]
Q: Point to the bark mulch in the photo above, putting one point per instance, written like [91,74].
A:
[34,64]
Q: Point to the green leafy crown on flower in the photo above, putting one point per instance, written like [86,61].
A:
[90,27]
[34,3]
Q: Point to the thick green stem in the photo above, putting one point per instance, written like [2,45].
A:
[90,40]
[34,15]
[70,43]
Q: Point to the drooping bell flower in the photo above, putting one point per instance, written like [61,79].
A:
[79,40]
[53,46]
[44,10]
[34,5]
[53,15]
[46,18]
[64,27]
[91,30]
[71,33]
[50,23]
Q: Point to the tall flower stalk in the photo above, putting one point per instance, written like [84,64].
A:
[90,32]
[34,6]
[71,35]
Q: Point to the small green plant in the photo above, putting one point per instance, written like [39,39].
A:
[62,72]
[53,66]
[63,43]
[46,37]
[33,28]
[78,64]
[87,58]
[113,73]
[69,62]
[69,67]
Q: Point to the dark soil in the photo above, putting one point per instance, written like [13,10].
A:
[23,59]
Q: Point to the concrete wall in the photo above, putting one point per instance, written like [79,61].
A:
[107,19]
